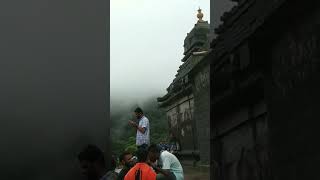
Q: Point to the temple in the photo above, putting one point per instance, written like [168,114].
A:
[187,100]
[246,98]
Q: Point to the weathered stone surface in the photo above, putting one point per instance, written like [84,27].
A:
[265,93]
[202,114]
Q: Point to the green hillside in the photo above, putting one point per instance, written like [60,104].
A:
[123,135]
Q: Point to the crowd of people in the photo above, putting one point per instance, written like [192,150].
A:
[149,162]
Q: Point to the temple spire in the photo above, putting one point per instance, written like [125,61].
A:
[200,15]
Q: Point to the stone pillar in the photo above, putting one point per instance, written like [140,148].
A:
[202,112]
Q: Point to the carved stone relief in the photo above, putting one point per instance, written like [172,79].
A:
[202,79]
[294,59]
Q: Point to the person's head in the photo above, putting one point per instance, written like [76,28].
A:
[154,152]
[126,159]
[142,154]
[92,161]
[138,112]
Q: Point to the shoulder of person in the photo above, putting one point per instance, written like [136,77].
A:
[166,154]
[145,120]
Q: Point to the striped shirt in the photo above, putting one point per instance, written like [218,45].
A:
[143,138]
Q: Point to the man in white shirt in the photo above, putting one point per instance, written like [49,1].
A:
[143,129]
[170,167]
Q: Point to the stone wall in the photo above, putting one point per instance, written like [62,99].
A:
[294,99]
[201,91]
[181,121]
[240,140]
[281,140]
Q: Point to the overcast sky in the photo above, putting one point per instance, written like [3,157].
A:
[147,43]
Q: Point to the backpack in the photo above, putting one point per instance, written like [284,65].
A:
[141,171]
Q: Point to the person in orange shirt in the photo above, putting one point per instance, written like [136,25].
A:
[141,171]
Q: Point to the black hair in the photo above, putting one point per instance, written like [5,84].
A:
[138,110]
[121,157]
[92,153]
[142,154]
[154,148]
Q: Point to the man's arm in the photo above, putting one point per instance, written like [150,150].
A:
[166,168]
[165,172]
[135,125]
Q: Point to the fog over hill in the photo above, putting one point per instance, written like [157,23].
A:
[146,45]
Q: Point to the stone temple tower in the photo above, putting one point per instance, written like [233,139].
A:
[187,100]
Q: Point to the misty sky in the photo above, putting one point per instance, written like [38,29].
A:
[147,43]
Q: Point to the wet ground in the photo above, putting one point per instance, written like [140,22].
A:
[196,173]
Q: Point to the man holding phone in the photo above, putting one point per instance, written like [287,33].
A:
[142,127]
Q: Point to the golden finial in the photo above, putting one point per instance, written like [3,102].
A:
[200,15]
